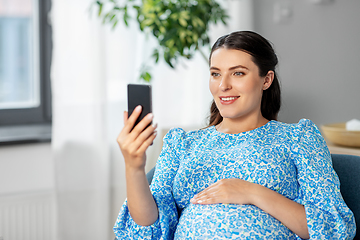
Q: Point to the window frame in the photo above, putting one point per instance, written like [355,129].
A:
[34,124]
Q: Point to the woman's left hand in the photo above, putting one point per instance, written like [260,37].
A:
[237,191]
[234,190]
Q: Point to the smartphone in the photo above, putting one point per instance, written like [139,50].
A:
[139,94]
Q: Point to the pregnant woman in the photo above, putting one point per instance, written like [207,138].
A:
[246,175]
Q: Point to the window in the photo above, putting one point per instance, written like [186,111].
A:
[25,55]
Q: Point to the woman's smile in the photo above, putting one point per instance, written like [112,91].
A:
[226,100]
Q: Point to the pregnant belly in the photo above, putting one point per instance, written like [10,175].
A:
[229,221]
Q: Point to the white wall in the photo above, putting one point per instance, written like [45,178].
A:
[27,192]
[319,51]
[26,168]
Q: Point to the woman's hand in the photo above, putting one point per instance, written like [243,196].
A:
[232,190]
[237,191]
[133,143]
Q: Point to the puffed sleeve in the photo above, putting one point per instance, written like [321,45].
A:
[161,188]
[328,217]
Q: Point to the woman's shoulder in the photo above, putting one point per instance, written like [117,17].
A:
[296,130]
[303,123]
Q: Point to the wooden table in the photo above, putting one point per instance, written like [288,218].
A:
[336,149]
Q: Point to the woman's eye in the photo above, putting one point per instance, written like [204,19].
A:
[238,73]
[215,74]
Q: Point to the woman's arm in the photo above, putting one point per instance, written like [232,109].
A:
[237,191]
[143,208]
[141,204]
[290,213]
[133,144]
[319,186]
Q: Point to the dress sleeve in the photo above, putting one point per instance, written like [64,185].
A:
[328,217]
[161,188]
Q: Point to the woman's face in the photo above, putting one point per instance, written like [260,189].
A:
[235,83]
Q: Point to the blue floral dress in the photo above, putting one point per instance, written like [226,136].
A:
[291,159]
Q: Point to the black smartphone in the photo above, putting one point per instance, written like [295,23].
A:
[139,94]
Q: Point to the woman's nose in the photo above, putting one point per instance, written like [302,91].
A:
[225,84]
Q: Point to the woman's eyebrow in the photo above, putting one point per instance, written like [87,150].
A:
[232,68]
[238,66]
[214,68]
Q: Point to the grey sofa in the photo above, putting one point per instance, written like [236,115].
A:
[348,169]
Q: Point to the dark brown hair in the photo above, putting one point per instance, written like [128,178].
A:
[263,55]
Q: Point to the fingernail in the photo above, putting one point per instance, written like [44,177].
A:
[154,125]
[138,108]
[150,116]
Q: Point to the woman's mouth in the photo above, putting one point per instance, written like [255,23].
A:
[228,100]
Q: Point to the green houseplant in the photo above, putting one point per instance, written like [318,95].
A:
[180,26]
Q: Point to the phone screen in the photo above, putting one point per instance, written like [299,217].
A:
[139,94]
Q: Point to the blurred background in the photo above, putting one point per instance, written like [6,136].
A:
[63,77]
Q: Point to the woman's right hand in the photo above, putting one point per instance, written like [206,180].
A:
[133,143]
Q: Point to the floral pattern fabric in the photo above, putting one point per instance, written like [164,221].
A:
[291,159]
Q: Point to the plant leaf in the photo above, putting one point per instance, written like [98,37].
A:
[183,22]
[100,8]
[156,55]
[115,23]
[146,76]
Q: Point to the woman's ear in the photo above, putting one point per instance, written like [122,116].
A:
[269,78]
